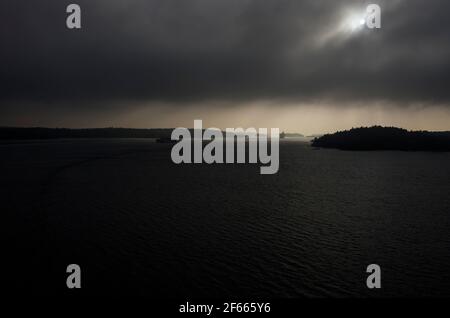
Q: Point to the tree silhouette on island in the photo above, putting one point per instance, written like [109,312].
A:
[385,138]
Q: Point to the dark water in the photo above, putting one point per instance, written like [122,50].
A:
[138,224]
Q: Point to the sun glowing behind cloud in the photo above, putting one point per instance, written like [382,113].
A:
[346,25]
[353,21]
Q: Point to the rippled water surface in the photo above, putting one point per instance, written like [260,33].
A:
[137,223]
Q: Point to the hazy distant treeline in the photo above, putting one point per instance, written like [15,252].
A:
[11,133]
[385,138]
[291,135]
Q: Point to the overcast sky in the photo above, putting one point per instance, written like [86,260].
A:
[297,65]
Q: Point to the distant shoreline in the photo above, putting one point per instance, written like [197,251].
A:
[356,139]
[43,133]
[40,133]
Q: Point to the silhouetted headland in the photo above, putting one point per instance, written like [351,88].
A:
[385,138]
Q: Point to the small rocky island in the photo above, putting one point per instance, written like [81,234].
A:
[385,138]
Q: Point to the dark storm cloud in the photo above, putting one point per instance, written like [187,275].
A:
[194,50]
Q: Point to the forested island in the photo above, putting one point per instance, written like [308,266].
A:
[385,138]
